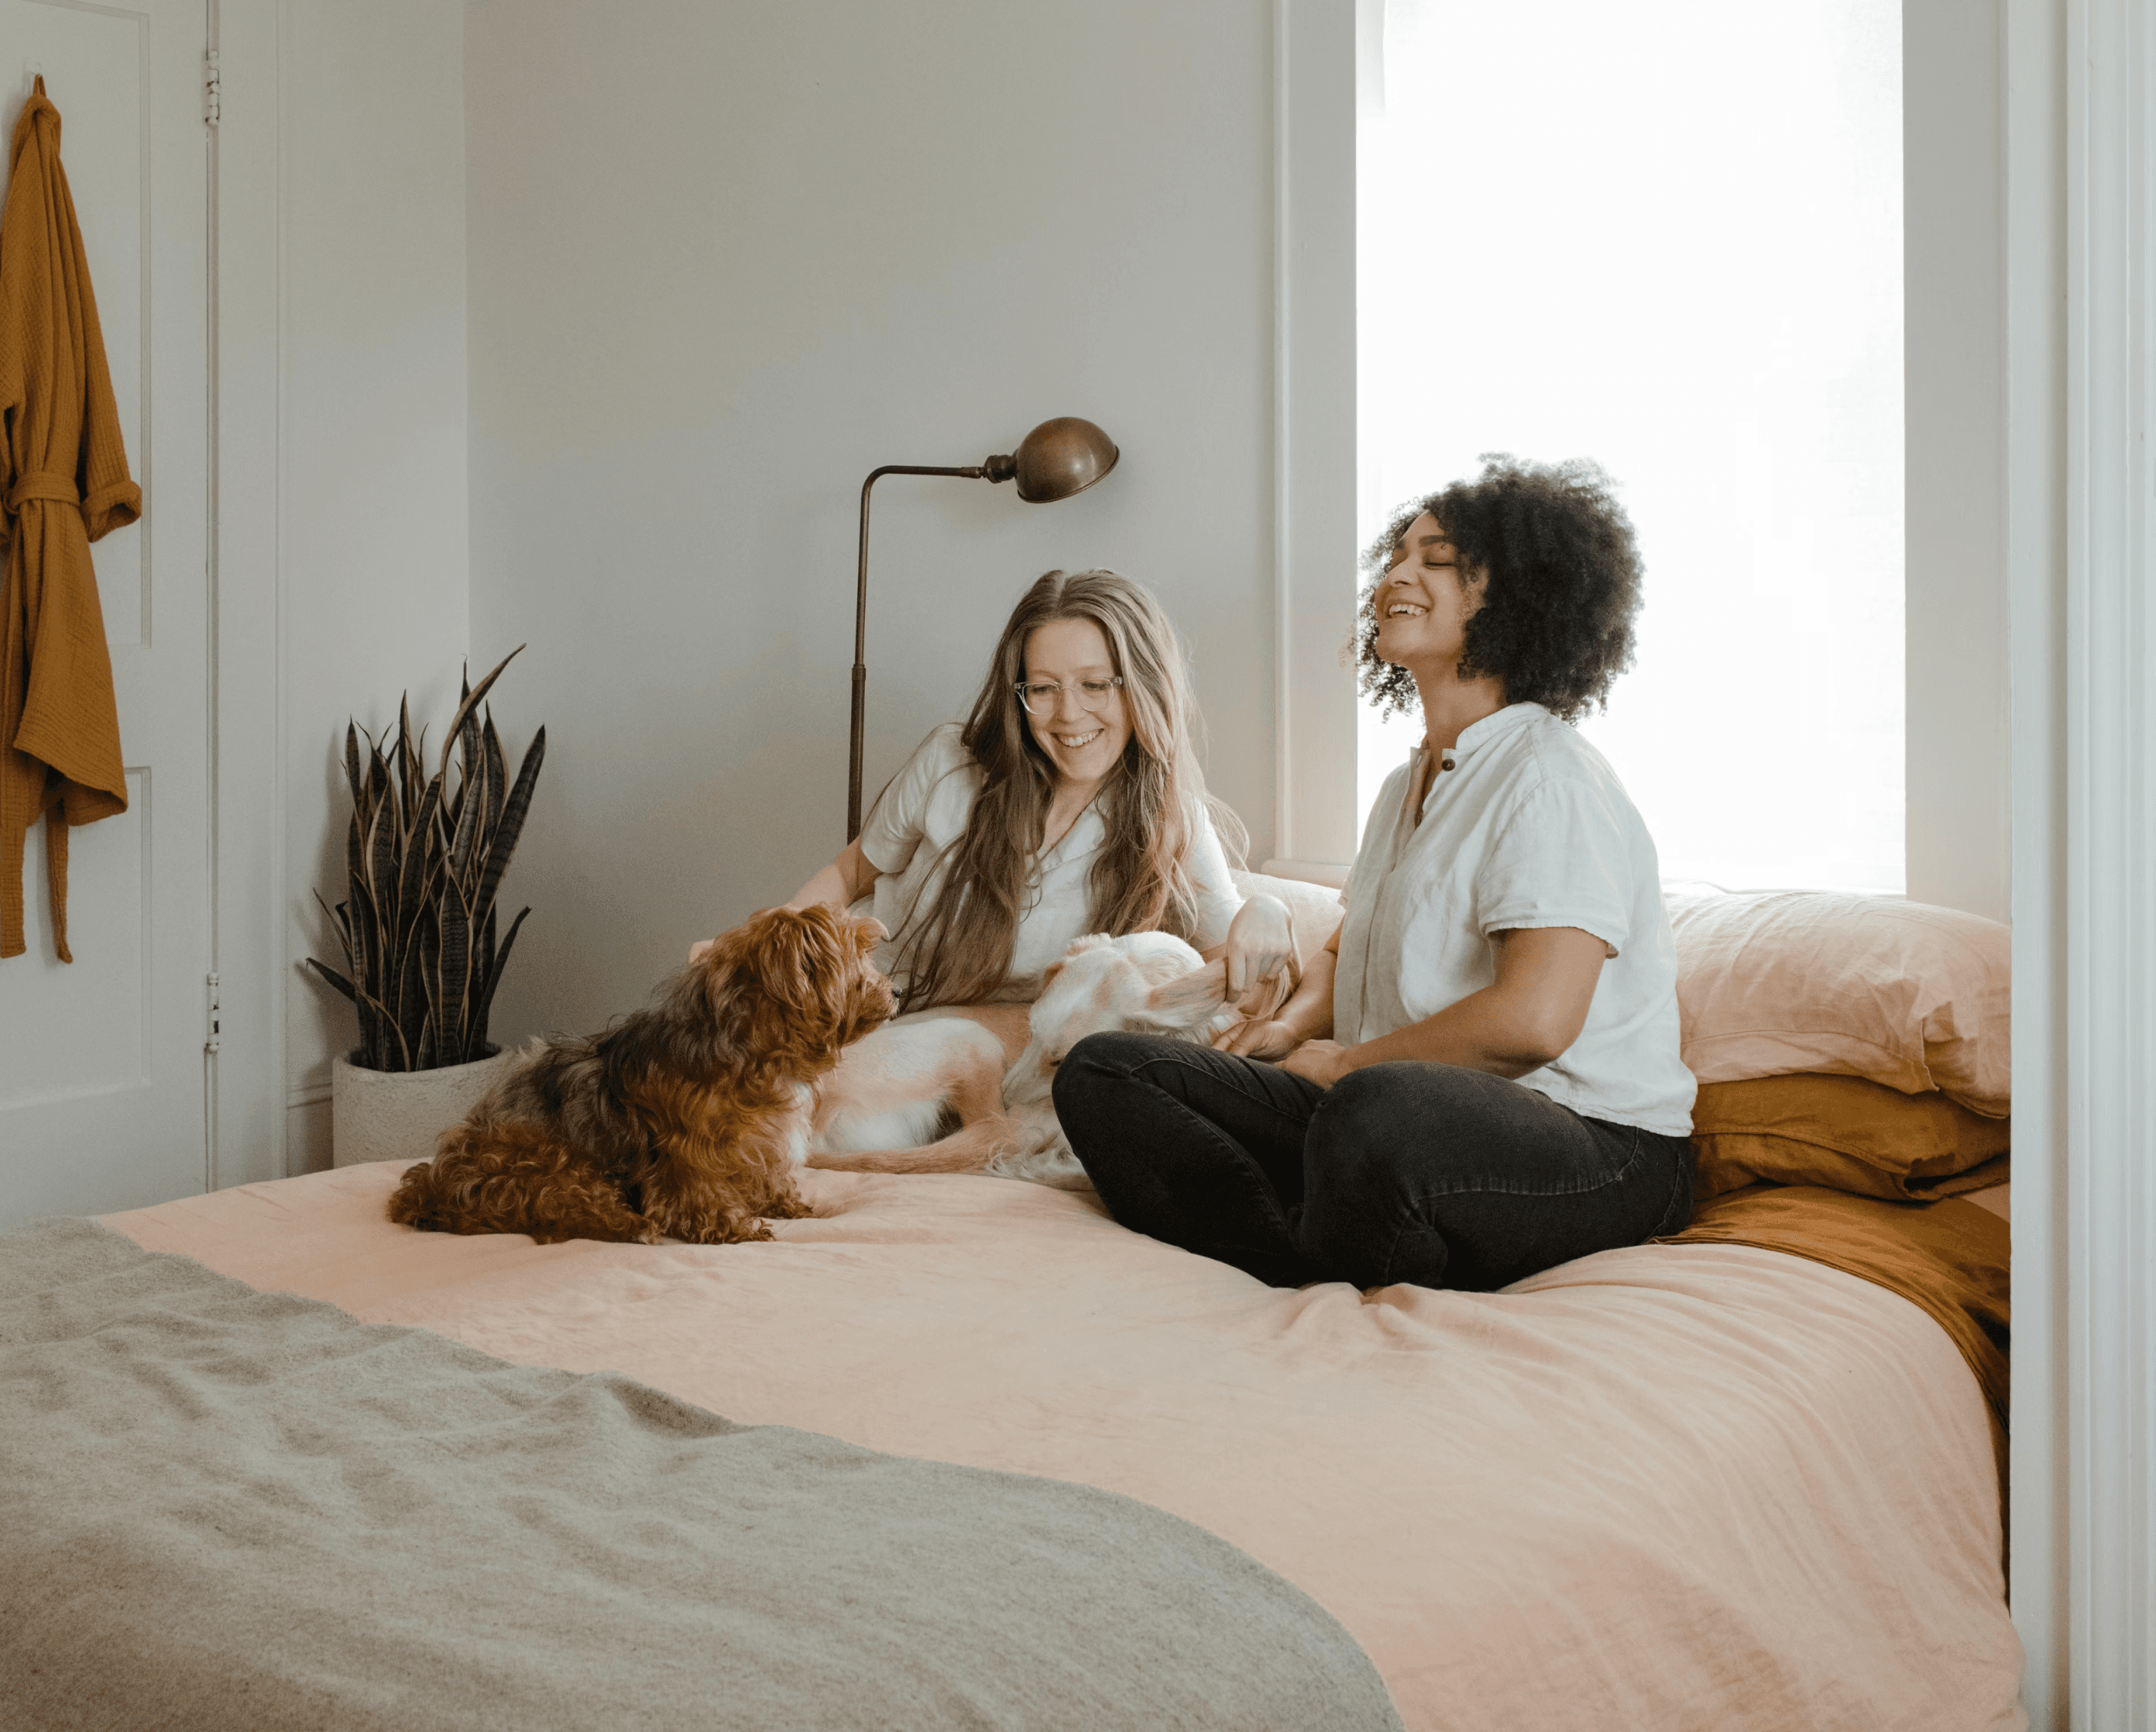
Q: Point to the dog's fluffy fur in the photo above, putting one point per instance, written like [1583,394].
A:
[1150,982]
[686,1120]
[923,1094]
[906,1083]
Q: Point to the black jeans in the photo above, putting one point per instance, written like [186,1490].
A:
[1417,1172]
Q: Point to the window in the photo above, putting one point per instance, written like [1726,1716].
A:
[1667,234]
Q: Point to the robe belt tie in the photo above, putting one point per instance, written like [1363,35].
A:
[42,484]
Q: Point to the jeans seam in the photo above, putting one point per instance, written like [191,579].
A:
[1411,1210]
[1487,1187]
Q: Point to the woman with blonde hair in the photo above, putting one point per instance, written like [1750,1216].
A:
[1069,801]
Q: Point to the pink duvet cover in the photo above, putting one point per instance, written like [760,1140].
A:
[1667,1487]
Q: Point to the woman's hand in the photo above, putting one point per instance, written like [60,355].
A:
[1263,969]
[1255,1037]
[1323,1062]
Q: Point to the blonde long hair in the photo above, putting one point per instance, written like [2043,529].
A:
[958,950]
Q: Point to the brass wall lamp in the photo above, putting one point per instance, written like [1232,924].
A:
[1057,459]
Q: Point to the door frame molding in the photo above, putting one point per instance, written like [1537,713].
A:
[246,1091]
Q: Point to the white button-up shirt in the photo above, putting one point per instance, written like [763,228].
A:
[1529,827]
[909,836]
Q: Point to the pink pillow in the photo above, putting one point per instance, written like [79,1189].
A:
[1772,983]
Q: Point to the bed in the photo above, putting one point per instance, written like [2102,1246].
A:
[1748,1479]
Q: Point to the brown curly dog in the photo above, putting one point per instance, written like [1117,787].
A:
[686,1120]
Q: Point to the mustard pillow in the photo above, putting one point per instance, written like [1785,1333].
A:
[1844,1133]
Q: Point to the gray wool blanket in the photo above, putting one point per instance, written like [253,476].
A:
[227,1509]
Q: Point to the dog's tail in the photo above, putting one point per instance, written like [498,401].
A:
[966,1150]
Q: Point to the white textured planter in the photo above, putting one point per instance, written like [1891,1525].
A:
[399,1115]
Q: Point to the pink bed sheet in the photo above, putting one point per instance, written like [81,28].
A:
[1666,1488]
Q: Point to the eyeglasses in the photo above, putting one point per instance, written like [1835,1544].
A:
[1039,696]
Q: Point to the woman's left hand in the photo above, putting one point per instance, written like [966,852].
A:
[1263,968]
[1323,1062]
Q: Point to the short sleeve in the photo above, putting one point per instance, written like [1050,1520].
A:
[1564,858]
[1214,883]
[894,828]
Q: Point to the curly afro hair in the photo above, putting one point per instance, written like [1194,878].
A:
[1562,590]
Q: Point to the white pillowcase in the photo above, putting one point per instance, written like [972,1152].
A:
[1775,982]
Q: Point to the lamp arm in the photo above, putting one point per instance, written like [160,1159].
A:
[996,469]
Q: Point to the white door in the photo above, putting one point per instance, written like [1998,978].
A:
[102,1082]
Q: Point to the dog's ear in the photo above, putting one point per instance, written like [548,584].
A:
[794,967]
[1079,947]
[1188,998]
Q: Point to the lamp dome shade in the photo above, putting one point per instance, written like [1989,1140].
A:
[1062,457]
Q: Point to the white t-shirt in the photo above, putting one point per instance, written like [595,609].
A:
[1529,828]
[923,813]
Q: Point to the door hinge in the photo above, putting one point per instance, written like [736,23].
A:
[213,88]
[216,1015]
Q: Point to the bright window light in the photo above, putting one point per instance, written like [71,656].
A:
[1666,235]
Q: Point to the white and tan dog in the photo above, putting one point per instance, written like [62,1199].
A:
[921,1094]
[1151,982]
[894,1090]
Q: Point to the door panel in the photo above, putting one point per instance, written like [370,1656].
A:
[102,1081]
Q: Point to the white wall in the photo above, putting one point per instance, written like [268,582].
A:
[723,261]
[372,488]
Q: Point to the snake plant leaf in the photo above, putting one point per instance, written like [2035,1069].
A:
[471,763]
[430,965]
[354,837]
[486,797]
[378,774]
[426,1055]
[418,850]
[337,919]
[471,805]
[412,997]
[382,863]
[485,1011]
[366,967]
[497,773]
[472,699]
[342,983]
[396,1058]
[411,778]
[452,1001]
[482,975]
[512,825]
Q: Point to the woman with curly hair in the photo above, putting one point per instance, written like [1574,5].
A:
[1071,801]
[1479,1077]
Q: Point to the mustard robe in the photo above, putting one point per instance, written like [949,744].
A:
[63,478]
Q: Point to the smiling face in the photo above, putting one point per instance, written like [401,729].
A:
[1424,603]
[1083,737]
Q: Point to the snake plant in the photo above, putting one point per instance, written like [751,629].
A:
[423,865]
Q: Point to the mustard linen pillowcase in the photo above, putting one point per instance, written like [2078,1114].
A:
[1844,1133]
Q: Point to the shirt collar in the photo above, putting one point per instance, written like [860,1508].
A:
[1497,725]
[1493,727]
